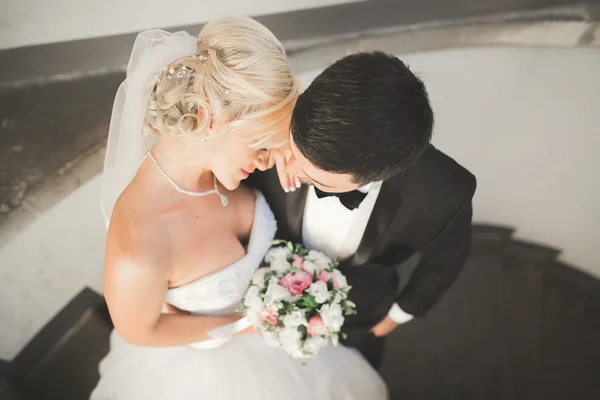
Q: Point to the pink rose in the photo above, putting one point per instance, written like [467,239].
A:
[325,276]
[316,326]
[298,261]
[296,283]
[268,317]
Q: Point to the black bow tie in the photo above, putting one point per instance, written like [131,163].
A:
[350,200]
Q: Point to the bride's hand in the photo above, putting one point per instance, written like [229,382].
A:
[248,330]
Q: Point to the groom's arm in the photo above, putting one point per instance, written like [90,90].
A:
[440,265]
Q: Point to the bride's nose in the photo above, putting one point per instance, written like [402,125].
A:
[262,160]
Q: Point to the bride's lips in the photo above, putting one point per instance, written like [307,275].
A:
[245,174]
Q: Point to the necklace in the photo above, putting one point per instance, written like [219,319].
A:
[181,190]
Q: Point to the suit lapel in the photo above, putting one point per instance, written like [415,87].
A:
[386,207]
[294,210]
[290,212]
[288,207]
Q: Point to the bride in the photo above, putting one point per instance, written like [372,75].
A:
[185,236]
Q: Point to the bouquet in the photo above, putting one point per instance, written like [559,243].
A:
[298,300]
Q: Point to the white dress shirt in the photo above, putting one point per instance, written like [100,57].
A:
[333,229]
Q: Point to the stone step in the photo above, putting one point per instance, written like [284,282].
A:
[61,362]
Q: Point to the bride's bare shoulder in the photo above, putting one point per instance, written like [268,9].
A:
[134,237]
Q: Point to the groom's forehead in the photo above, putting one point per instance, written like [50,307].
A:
[328,180]
[304,162]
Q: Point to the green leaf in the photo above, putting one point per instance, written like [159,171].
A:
[268,276]
[308,301]
[242,308]
[330,284]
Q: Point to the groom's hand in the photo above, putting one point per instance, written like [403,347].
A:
[384,327]
[280,158]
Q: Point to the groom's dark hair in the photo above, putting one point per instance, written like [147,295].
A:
[367,115]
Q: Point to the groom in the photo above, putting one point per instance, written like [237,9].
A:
[378,192]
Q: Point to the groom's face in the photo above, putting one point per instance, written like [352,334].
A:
[326,181]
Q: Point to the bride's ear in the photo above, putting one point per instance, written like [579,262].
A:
[215,124]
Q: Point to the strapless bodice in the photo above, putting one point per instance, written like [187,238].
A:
[220,293]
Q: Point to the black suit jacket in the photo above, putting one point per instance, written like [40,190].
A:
[426,209]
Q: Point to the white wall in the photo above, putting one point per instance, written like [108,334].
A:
[29,22]
[526,122]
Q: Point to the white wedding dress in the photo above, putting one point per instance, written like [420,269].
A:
[241,367]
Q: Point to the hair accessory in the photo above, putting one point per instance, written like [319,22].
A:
[180,71]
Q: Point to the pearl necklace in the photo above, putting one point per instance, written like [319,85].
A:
[181,190]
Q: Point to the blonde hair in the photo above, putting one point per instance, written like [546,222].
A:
[240,73]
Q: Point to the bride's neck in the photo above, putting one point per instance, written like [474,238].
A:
[184,162]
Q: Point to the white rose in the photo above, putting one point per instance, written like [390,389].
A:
[314,344]
[319,291]
[295,299]
[338,297]
[332,316]
[254,319]
[270,339]
[317,257]
[295,319]
[290,337]
[311,267]
[276,293]
[295,351]
[278,253]
[340,279]
[280,267]
[252,298]
[259,277]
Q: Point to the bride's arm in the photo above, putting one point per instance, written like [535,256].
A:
[135,294]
